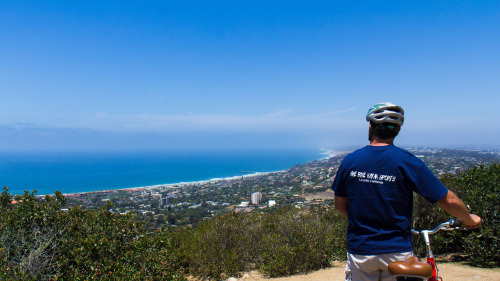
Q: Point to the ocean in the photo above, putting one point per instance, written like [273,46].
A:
[48,172]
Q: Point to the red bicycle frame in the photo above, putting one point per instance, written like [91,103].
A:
[409,273]
[432,262]
[449,225]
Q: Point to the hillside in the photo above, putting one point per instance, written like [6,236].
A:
[44,239]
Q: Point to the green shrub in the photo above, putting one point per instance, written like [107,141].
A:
[40,242]
[301,240]
[219,247]
[282,242]
[29,236]
[479,189]
[428,216]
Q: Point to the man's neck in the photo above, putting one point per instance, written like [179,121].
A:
[381,142]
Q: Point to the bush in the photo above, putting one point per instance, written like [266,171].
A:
[29,236]
[109,246]
[301,240]
[428,216]
[40,242]
[219,247]
[479,189]
[282,242]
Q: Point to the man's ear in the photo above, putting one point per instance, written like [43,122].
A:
[370,132]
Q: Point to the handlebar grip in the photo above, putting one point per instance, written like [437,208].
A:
[455,223]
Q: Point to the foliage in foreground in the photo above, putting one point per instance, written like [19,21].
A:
[479,188]
[38,241]
[285,242]
[41,242]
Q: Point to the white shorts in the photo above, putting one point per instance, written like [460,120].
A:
[372,268]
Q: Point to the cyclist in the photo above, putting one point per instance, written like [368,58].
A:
[374,189]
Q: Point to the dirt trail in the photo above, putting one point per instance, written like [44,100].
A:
[449,272]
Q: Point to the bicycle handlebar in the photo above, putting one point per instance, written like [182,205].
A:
[449,225]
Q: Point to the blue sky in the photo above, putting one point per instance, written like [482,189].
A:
[157,75]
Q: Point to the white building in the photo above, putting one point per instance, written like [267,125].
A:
[272,203]
[256,197]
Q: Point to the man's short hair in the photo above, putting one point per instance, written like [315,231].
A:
[385,130]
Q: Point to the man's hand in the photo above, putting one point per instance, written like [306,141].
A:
[475,222]
[455,207]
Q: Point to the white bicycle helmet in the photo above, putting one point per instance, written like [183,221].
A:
[386,113]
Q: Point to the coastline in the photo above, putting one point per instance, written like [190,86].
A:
[74,173]
[171,185]
[326,152]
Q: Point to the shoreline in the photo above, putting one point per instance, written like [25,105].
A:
[323,154]
[326,153]
[171,185]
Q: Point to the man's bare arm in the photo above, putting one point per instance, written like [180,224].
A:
[341,205]
[455,207]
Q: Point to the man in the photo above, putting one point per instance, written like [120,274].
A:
[374,189]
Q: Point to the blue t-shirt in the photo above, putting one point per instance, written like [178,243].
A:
[379,182]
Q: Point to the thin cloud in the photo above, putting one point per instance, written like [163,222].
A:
[281,112]
[335,112]
[283,120]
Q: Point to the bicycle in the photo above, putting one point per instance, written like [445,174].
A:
[413,269]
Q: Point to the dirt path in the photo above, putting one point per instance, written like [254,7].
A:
[449,272]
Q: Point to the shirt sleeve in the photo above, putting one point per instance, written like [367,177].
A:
[338,185]
[429,186]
